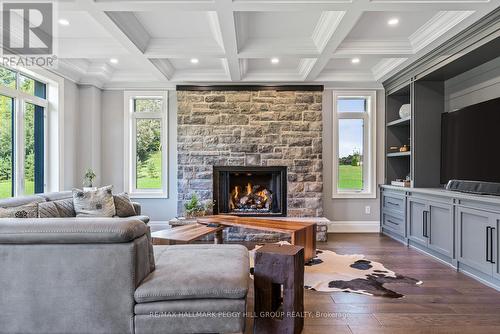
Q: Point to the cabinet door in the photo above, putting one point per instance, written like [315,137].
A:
[495,246]
[440,227]
[416,212]
[473,227]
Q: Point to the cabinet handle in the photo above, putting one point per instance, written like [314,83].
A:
[392,203]
[488,234]
[424,224]
[492,230]
[390,221]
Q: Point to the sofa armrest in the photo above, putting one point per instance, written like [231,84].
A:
[70,230]
[137,208]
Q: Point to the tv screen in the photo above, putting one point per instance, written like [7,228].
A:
[470,143]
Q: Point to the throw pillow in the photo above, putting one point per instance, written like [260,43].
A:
[47,210]
[123,205]
[23,211]
[94,203]
[65,207]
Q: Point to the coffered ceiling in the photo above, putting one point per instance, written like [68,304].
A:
[159,43]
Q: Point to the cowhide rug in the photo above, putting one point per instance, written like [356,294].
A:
[330,272]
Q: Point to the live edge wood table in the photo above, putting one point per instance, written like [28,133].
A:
[302,233]
[186,234]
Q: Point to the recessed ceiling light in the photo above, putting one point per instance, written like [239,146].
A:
[63,22]
[392,22]
[113,61]
[194,61]
[355,60]
[275,60]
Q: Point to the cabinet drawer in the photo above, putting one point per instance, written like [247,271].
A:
[394,203]
[393,222]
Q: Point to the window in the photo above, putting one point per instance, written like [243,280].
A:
[22,136]
[146,143]
[354,138]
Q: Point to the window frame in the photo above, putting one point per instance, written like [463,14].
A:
[369,143]
[20,99]
[130,142]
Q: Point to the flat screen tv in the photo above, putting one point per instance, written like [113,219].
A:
[470,143]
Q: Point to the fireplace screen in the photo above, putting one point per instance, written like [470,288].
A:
[250,191]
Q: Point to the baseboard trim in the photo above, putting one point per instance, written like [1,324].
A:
[354,226]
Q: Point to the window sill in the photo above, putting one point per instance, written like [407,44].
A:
[354,195]
[148,195]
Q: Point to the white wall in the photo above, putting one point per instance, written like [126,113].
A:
[88,133]
[112,148]
[477,85]
[350,214]
[70,135]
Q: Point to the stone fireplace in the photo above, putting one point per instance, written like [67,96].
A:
[251,126]
[250,190]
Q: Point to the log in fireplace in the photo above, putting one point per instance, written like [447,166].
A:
[250,191]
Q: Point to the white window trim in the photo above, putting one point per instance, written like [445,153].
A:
[20,100]
[369,141]
[129,167]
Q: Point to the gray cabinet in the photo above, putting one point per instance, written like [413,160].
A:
[478,238]
[430,224]
[440,228]
[417,214]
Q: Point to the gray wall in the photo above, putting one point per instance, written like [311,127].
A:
[112,148]
[349,209]
[477,85]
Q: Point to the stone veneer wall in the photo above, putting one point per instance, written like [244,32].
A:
[252,128]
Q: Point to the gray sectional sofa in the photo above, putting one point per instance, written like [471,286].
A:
[102,275]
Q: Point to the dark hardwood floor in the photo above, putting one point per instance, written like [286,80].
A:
[447,302]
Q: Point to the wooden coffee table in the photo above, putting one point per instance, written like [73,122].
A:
[186,234]
[302,233]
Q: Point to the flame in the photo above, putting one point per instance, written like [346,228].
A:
[249,188]
[262,194]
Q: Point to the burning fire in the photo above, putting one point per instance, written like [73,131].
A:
[253,198]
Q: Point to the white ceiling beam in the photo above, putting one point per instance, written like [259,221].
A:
[346,24]
[227,28]
[135,51]
[374,47]
[183,48]
[346,5]
[153,6]
[89,48]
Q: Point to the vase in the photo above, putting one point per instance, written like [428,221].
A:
[405,111]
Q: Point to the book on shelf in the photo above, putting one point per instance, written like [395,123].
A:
[401,183]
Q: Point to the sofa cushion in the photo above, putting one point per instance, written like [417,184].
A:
[47,210]
[22,211]
[196,272]
[94,203]
[18,201]
[54,196]
[123,205]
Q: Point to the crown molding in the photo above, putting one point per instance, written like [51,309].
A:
[326,26]
[437,26]
[183,48]
[385,66]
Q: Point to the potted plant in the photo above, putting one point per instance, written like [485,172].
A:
[88,180]
[195,208]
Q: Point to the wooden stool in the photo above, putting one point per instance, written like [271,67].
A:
[279,269]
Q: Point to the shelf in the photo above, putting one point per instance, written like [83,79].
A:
[400,122]
[399,154]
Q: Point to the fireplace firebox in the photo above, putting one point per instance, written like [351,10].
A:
[250,191]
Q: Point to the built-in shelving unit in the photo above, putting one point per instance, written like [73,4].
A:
[400,122]
[398,133]
[399,154]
